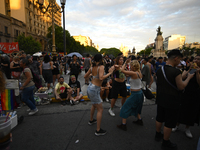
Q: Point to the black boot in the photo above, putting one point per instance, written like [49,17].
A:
[122,127]
[138,122]
[158,136]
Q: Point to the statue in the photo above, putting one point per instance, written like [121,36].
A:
[158,31]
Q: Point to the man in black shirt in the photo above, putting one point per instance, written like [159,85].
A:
[76,88]
[168,97]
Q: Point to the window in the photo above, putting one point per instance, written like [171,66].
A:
[7,40]
[0,40]
[6,30]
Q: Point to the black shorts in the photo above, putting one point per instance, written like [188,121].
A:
[63,95]
[167,115]
[86,70]
[118,88]
[55,72]
[47,75]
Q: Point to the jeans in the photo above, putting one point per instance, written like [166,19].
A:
[28,98]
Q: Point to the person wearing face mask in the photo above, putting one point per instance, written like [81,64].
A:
[63,91]
[76,89]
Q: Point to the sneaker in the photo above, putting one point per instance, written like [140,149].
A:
[188,133]
[28,109]
[72,102]
[33,112]
[158,136]
[138,122]
[19,106]
[100,132]
[111,112]
[107,100]
[67,102]
[168,144]
[92,122]
[122,127]
[76,102]
[175,129]
[63,103]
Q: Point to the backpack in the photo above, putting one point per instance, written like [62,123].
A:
[36,79]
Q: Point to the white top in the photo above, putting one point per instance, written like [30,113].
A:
[135,83]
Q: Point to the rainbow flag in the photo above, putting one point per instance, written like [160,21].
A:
[7,99]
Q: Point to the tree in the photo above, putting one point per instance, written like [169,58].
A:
[108,51]
[91,50]
[146,52]
[28,44]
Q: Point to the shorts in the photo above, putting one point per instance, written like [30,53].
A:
[55,72]
[118,88]
[63,95]
[75,94]
[86,70]
[167,115]
[93,93]
[47,75]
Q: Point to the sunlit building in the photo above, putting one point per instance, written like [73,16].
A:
[192,45]
[25,16]
[86,41]
[174,41]
[124,50]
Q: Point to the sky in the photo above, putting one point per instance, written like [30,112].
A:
[133,23]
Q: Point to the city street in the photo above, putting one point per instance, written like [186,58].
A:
[57,127]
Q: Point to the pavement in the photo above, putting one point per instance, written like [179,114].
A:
[57,127]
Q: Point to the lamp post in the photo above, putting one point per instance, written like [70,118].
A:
[64,36]
[51,8]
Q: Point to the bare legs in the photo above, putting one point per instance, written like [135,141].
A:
[99,114]
[167,131]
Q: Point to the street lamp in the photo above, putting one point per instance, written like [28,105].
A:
[51,8]
[64,36]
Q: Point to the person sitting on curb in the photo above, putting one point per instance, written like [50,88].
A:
[63,91]
[105,89]
[76,89]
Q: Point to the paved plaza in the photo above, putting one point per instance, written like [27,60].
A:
[57,127]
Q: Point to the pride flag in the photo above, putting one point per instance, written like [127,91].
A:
[7,99]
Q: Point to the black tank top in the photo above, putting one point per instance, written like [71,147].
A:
[16,69]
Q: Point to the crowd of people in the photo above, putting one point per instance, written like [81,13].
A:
[177,81]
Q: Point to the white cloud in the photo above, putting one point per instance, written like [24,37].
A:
[112,22]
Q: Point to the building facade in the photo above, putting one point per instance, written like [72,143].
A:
[124,50]
[86,41]
[174,41]
[193,45]
[25,16]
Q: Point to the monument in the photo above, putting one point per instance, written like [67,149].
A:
[158,50]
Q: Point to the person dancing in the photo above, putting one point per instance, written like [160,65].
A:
[119,85]
[93,91]
[133,105]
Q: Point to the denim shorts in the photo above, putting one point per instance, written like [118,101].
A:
[93,93]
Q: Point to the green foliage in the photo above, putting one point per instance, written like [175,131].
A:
[108,51]
[91,50]
[146,52]
[28,44]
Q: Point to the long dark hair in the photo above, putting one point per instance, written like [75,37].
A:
[46,59]
[117,59]
[97,58]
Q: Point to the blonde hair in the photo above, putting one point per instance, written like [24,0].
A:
[135,64]
[16,58]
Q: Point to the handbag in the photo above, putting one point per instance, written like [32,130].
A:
[147,93]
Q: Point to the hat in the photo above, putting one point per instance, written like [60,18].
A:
[174,52]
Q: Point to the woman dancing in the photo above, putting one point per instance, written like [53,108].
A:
[93,91]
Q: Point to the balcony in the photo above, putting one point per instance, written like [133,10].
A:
[6,34]
[1,33]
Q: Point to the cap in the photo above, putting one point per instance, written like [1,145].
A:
[174,52]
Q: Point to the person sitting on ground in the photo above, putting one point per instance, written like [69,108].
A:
[63,91]
[76,89]
[105,90]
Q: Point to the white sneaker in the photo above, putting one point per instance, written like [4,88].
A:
[111,112]
[33,112]
[188,133]
[28,109]
[175,129]
[107,100]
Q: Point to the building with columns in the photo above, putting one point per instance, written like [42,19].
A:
[25,16]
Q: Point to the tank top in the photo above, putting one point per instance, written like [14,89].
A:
[46,66]
[57,66]
[135,83]
[16,69]
[97,76]
[118,74]
[87,63]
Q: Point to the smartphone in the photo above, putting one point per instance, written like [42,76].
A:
[192,71]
